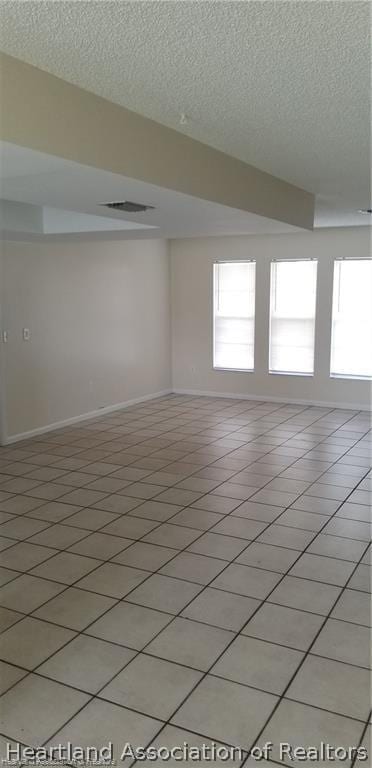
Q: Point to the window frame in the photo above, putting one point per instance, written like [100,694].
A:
[347,376]
[215,263]
[305,374]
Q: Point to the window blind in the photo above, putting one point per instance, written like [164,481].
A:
[233,315]
[351,345]
[292,316]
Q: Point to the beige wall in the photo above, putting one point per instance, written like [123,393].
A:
[191,270]
[100,327]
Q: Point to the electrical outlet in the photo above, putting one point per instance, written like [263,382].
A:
[26,333]
[4,337]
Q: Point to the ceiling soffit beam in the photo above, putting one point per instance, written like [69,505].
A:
[45,113]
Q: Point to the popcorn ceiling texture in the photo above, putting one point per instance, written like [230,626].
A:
[281,85]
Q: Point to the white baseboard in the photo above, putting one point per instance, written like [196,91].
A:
[267,399]
[8,440]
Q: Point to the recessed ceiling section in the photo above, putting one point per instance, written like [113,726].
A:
[56,221]
[49,115]
[49,197]
[20,218]
[25,219]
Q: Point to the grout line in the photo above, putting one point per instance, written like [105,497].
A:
[364,733]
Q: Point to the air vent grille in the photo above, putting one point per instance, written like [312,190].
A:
[128,206]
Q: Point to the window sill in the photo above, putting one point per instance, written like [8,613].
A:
[350,377]
[291,373]
[233,370]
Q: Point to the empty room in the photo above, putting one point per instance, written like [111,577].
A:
[185,383]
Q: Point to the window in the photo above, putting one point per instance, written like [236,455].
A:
[351,347]
[234,305]
[292,316]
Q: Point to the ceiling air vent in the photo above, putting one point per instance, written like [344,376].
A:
[128,206]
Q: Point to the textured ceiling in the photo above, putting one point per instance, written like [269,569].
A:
[283,85]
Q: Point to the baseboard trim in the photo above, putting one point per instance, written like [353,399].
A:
[8,440]
[263,398]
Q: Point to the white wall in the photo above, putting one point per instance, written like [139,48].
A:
[191,277]
[99,318]
[99,315]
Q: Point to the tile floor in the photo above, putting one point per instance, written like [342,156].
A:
[189,569]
